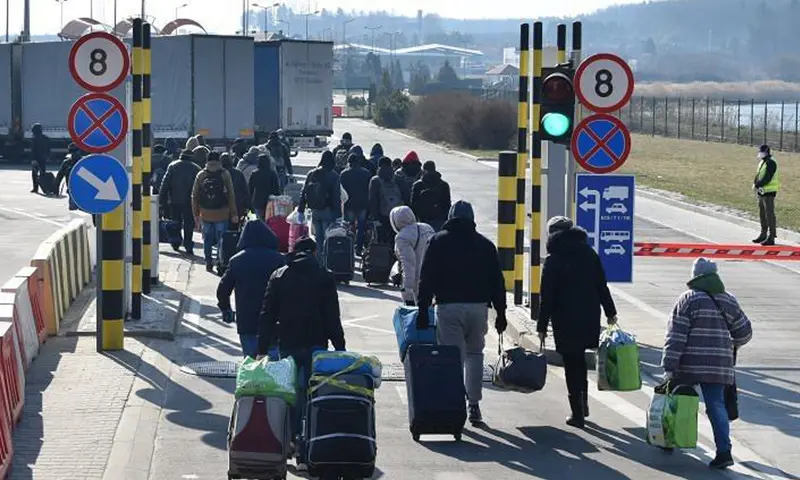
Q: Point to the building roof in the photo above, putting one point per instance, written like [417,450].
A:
[504,70]
[429,50]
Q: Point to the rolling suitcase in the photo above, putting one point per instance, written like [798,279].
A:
[228,248]
[47,182]
[280,227]
[340,258]
[296,232]
[436,396]
[340,427]
[258,438]
[378,259]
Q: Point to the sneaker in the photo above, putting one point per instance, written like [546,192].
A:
[722,461]
[475,417]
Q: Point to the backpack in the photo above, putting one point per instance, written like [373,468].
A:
[316,193]
[341,159]
[391,197]
[428,204]
[213,195]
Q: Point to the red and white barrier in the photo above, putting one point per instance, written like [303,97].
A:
[732,252]
[24,318]
[13,377]
[6,444]
[36,298]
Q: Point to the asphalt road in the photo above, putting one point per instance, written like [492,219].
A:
[26,220]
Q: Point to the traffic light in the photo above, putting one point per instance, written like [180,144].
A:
[557,104]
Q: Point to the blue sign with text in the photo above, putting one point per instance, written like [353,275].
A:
[98,184]
[605,210]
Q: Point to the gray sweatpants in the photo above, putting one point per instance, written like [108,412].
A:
[465,325]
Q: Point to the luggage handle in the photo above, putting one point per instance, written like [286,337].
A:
[500,348]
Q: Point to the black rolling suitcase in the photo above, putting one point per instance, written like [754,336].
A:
[340,427]
[377,264]
[227,249]
[436,396]
[340,258]
[47,182]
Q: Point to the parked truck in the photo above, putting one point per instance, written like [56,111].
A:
[200,84]
[294,91]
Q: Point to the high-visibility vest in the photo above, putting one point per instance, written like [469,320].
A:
[775,184]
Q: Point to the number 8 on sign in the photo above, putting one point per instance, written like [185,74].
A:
[99,62]
[604,83]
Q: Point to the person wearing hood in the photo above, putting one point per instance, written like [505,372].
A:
[384,195]
[247,275]
[397,164]
[159,163]
[706,328]
[461,271]
[375,154]
[173,149]
[410,246]
[355,181]
[40,153]
[192,143]
[213,203]
[263,183]
[573,291]
[175,196]
[410,172]
[249,162]
[280,158]
[322,193]
[301,309]
[240,187]
[430,197]
[766,183]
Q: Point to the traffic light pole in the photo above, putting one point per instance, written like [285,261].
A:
[555,155]
[577,44]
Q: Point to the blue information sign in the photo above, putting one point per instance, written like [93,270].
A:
[601,143]
[605,210]
[98,184]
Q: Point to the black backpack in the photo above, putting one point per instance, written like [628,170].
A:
[391,196]
[316,193]
[428,204]
[213,195]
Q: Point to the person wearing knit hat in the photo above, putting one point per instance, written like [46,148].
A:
[706,329]
[175,199]
[410,172]
[461,271]
[573,291]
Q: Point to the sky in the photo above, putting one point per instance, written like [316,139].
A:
[223,16]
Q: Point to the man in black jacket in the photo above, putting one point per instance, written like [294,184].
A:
[175,196]
[244,202]
[40,153]
[573,290]
[301,309]
[430,197]
[355,181]
[322,193]
[263,183]
[462,272]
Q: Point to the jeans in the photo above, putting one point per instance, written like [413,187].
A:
[249,343]
[360,219]
[714,398]
[184,216]
[322,220]
[212,236]
[766,214]
[465,325]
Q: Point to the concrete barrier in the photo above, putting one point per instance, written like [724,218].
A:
[63,267]
[16,292]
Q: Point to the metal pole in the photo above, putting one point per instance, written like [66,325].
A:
[752,120]
[522,160]
[136,190]
[766,117]
[26,27]
[506,211]
[534,252]
[738,121]
[679,118]
[722,122]
[148,250]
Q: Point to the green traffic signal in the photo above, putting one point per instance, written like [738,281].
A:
[555,124]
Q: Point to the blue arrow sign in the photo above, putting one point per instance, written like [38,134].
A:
[601,143]
[605,210]
[98,184]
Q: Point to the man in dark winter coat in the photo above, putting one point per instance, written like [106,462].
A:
[158,166]
[375,155]
[301,309]
[40,153]
[410,172]
[461,270]
[385,193]
[241,189]
[430,197]
[322,193]
[573,290]
[263,183]
[341,152]
[175,196]
[355,181]
[247,275]
[280,158]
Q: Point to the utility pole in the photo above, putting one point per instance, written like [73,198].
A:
[373,29]
[26,27]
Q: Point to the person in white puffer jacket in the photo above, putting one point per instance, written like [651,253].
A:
[409,246]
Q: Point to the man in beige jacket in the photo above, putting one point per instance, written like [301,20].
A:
[213,202]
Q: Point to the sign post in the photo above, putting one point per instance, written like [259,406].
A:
[601,144]
[98,184]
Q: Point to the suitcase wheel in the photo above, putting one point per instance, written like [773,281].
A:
[457,436]
[415,436]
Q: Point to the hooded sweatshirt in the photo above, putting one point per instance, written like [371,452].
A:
[385,174]
[225,213]
[263,183]
[410,246]
[430,198]
[249,163]
[355,181]
[248,273]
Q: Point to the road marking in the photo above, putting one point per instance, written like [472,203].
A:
[33,216]
[402,392]
[354,323]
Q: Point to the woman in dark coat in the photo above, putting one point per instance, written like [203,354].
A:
[573,291]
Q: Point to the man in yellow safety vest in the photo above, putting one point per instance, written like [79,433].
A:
[766,184]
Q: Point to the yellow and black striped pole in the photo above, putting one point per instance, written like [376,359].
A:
[506,211]
[522,160]
[535,273]
[136,190]
[561,43]
[147,211]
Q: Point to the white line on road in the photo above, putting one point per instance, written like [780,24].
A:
[33,216]
[402,392]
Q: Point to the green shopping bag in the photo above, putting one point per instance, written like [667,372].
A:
[672,416]
[618,361]
[267,378]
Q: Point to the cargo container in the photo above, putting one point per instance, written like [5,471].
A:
[294,91]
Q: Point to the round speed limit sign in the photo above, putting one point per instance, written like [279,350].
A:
[99,62]
[604,83]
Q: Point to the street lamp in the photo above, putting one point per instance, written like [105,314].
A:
[374,29]
[61,4]
[344,31]
[266,18]
[308,15]
[179,7]
[392,44]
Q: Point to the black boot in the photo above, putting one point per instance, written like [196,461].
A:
[576,406]
[585,404]
[770,241]
[722,461]
[760,238]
